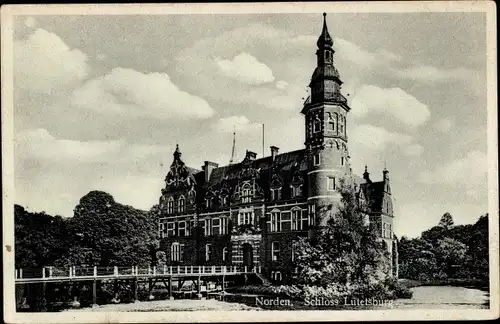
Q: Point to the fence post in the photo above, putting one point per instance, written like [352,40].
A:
[154,270]
[74,271]
[115,270]
[70,270]
[246,269]
[170,269]
[43,272]
[223,269]
[17,273]
[191,269]
[149,270]
[260,270]
[164,269]
[178,269]
[50,272]
[213,269]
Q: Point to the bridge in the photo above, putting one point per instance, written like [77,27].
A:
[72,280]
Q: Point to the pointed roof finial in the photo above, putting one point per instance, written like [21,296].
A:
[324,39]
[385,166]
[177,153]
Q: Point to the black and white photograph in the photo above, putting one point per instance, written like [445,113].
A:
[250,162]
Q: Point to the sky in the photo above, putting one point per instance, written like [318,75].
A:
[101,101]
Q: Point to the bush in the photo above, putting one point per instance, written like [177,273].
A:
[399,289]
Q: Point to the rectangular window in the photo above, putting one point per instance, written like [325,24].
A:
[224,226]
[171,229]
[296,219]
[317,159]
[331,184]
[245,218]
[182,228]
[208,252]
[162,230]
[216,226]
[275,251]
[275,222]
[208,226]
[311,215]
[286,219]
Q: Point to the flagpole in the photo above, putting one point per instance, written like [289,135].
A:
[263,140]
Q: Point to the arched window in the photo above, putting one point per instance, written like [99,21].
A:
[170,205]
[176,251]
[246,193]
[275,190]
[181,204]
[316,125]
[341,122]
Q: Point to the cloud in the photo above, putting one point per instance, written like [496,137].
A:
[413,150]
[246,68]
[378,139]
[45,64]
[433,74]
[362,57]
[132,93]
[468,170]
[443,125]
[281,84]
[238,123]
[39,144]
[369,99]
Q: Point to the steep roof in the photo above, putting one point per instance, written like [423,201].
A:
[374,193]
[283,163]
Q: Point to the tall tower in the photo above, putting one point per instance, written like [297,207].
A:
[325,115]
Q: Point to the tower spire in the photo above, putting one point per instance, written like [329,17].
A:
[324,39]
[231,161]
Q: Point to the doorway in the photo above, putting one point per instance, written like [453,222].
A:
[247,255]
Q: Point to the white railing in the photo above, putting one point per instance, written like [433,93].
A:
[73,272]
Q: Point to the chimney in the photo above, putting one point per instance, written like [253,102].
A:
[208,168]
[250,156]
[366,175]
[274,151]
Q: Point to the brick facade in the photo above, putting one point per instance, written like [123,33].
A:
[251,212]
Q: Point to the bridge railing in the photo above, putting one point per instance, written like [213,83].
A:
[86,271]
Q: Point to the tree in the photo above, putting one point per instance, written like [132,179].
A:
[345,252]
[107,233]
[446,221]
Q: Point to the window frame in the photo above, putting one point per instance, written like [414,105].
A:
[331,183]
[208,252]
[317,159]
[275,251]
[170,205]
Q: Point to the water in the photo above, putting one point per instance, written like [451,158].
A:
[445,297]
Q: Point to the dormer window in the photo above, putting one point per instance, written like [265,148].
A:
[276,193]
[296,190]
[170,205]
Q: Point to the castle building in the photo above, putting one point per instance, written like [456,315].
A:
[250,213]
